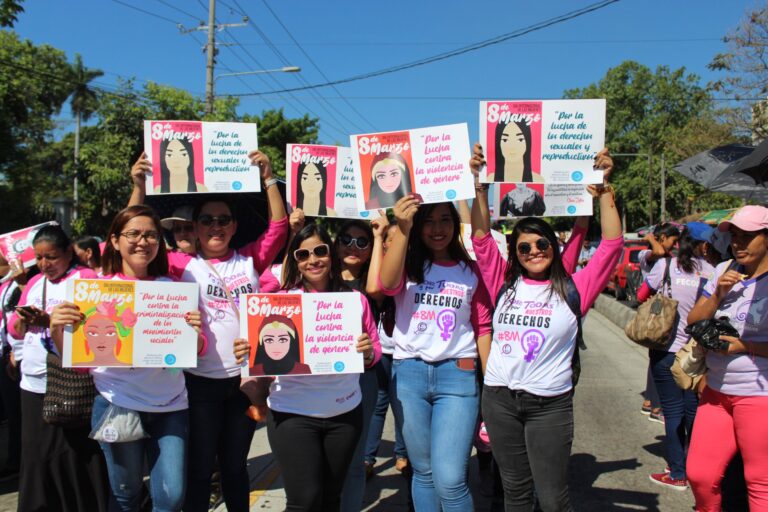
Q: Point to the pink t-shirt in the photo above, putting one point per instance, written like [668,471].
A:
[534,335]
[746,307]
[240,270]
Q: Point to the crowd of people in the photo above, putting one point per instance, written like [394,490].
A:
[460,350]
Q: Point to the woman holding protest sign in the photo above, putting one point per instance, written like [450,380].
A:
[442,317]
[314,422]
[528,385]
[157,396]
[61,469]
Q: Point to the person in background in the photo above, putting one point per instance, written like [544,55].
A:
[586,253]
[88,252]
[183,229]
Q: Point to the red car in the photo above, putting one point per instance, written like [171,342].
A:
[626,277]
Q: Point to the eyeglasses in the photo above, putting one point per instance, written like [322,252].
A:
[320,251]
[209,220]
[360,242]
[183,228]
[542,244]
[133,237]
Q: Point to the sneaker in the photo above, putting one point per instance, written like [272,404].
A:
[658,417]
[646,407]
[401,463]
[667,481]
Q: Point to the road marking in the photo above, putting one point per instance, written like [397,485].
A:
[264,483]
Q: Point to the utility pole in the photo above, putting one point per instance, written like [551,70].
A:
[663,190]
[211,57]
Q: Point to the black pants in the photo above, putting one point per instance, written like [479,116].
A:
[531,438]
[9,393]
[218,427]
[314,454]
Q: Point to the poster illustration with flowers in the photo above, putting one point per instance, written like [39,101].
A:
[131,323]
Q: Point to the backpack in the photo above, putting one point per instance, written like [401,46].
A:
[573,299]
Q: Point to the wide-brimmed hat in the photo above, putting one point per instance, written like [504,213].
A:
[181,214]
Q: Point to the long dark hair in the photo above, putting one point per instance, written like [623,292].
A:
[686,247]
[667,229]
[515,270]
[88,242]
[500,161]
[286,364]
[55,235]
[418,258]
[366,228]
[534,205]
[112,260]
[292,278]
[323,210]
[165,174]
[388,199]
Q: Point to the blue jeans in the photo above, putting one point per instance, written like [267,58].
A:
[440,405]
[354,483]
[166,453]
[387,396]
[679,411]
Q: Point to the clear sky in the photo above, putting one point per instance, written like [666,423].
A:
[341,39]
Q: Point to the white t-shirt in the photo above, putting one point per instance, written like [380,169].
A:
[142,389]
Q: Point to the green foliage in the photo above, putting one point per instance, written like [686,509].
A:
[9,12]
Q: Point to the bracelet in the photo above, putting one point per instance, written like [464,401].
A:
[482,187]
[268,183]
[607,189]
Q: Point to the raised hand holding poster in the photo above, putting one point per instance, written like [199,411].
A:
[131,323]
[197,156]
[301,334]
[17,245]
[432,162]
[542,141]
[539,200]
[321,181]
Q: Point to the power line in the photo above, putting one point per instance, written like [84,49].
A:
[177,9]
[148,13]
[460,51]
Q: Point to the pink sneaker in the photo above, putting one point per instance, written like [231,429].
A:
[669,482]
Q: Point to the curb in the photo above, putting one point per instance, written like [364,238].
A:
[618,313]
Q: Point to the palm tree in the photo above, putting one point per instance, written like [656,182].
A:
[83,103]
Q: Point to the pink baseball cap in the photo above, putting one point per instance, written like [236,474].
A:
[747,218]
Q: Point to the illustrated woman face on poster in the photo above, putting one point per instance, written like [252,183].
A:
[177,168]
[312,182]
[522,201]
[103,337]
[278,352]
[513,153]
[390,180]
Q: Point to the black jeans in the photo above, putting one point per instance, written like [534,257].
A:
[531,438]
[314,454]
[9,393]
[218,427]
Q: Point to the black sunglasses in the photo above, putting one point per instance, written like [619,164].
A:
[208,220]
[361,242]
[542,244]
[320,251]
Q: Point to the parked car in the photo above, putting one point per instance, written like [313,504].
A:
[626,277]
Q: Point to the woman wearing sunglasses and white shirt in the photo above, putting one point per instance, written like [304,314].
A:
[218,423]
[314,422]
[528,389]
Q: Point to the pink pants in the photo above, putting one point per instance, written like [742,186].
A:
[723,425]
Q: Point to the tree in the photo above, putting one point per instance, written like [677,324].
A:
[745,64]
[651,113]
[83,103]
[9,12]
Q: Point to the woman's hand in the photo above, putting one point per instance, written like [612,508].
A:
[241,350]
[139,171]
[725,282]
[604,162]
[296,220]
[379,225]
[477,162]
[736,345]
[262,160]
[64,314]
[194,319]
[405,209]
[365,346]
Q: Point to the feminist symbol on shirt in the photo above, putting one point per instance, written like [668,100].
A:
[532,341]
[446,321]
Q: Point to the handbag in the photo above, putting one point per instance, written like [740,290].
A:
[652,325]
[69,394]
[689,366]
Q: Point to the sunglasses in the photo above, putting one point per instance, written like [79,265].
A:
[183,228]
[360,242]
[209,220]
[542,244]
[320,251]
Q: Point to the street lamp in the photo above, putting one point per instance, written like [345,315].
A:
[285,69]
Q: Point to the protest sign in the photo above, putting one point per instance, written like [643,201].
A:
[197,156]
[499,238]
[17,245]
[544,141]
[432,162]
[321,181]
[131,323]
[539,200]
[301,334]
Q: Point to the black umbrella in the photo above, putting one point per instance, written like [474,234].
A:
[708,166]
[754,166]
